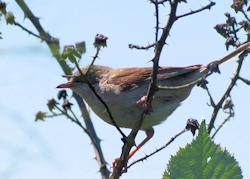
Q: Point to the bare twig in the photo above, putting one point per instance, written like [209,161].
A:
[245,14]
[138,47]
[73,119]
[210,98]
[29,31]
[218,106]
[157,150]
[208,7]
[95,57]
[156,4]
[124,138]
[220,126]
[244,80]
[95,139]
[152,88]
[159,1]
[234,31]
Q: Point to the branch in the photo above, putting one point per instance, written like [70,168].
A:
[247,82]
[92,88]
[28,31]
[55,50]
[73,119]
[220,126]
[52,44]
[152,88]
[218,106]
[212,103]
[95,57]
[159,1]
[131,46]
[95,139]
[208,7]
[157,150]
[156,4]
[246,16]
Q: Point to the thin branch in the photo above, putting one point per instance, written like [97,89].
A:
[247,82]
[92,88]
[207,7]
[151,91]
[95,56]
[93,60]
[73,119]
[246,16]
[156,4]
[227,92]
[234,31]
[159,1]
[157,150]
[138,47]
[89,131]
[95,139]
[29,31]
[221,125]
[53,46]
[212,103]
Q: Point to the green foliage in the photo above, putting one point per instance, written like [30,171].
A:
[74,52]
[202,159]
[40,116]
[52,104]
[80,47]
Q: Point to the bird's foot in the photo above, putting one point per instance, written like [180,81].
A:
[143,101]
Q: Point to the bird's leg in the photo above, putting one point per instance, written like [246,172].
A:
[149,135]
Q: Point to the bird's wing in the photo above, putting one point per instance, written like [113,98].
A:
[126,79]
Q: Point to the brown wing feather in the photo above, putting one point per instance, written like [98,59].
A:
[126,78]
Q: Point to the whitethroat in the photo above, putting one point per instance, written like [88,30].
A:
[122,90]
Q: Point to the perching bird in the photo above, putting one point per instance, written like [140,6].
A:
[122,90]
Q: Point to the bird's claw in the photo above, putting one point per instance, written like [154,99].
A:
[143,101]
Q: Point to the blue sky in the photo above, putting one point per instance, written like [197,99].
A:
[29,74]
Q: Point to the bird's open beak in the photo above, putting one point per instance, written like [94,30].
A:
[69,84]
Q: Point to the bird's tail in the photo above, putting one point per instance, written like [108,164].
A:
[204,70]
[224,59]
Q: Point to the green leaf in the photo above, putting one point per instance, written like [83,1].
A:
[52,104]
[70,52]
[80,47]
[72,58]
[40,116]
[202,159]
[76,53]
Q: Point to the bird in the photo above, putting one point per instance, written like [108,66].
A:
[123,91]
